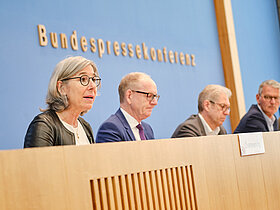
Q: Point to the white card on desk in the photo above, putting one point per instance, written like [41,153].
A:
[251,143]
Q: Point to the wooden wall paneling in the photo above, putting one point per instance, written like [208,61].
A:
[175,188]
[27,175]
[185,182]
[170,188]
[160,189]
[230,59]
[136,189]
[220,174]
[96,201]
[117,192]
[110,193]
[271,170]
[143,193]
[130,191]
[81,166]
[124,194]
[250,180]
[148,190]
[3,175]
[197,173]
[181,188]
[250,183]
[103,194]
[191,187]
[154,188]
[165,189]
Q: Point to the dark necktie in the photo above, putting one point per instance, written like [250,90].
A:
[141,131]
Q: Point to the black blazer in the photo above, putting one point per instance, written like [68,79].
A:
[47,130]
[254,121]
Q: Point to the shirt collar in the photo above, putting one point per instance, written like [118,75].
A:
[131,120]
[207,128]
[269,121]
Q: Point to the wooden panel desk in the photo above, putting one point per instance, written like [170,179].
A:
[192,173]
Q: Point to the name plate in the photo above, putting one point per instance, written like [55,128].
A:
[251,143]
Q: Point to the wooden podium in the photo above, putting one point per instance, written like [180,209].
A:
[191,173]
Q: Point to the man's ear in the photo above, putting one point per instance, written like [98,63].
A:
[258,98]
[128,96]
[206,105]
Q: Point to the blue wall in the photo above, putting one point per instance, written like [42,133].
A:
[258,41]
[181,25]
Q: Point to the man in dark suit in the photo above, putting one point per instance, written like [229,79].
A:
[261,117]
[213,107]
[138,96]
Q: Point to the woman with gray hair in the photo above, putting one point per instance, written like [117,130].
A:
[71,93]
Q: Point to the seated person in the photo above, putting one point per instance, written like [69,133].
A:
[138,96]
[71,93]
[260,117]
[213,107]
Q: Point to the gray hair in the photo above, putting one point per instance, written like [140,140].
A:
[271,83]
[212,93]
[130,81]
[65,69]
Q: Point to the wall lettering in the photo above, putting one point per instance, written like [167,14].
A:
[140,51]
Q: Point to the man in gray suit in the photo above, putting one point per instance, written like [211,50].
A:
[213,107]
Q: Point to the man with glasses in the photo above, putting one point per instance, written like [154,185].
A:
[213,107]
[261,117]
[138,96]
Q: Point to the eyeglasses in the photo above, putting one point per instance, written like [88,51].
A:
[224,107]
[269,98]
[84,80]
[150,96]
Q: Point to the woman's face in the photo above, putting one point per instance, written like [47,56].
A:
[80,97]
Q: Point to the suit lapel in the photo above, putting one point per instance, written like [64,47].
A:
[200,125]
[128,130]
[275,124]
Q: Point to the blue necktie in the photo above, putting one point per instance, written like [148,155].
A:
[141,131]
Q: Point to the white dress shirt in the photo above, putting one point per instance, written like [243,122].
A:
[269,121]
[207,128]
[132,123]
[79,133]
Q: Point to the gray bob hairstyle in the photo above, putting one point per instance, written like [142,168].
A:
[212,92]
[65,69]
